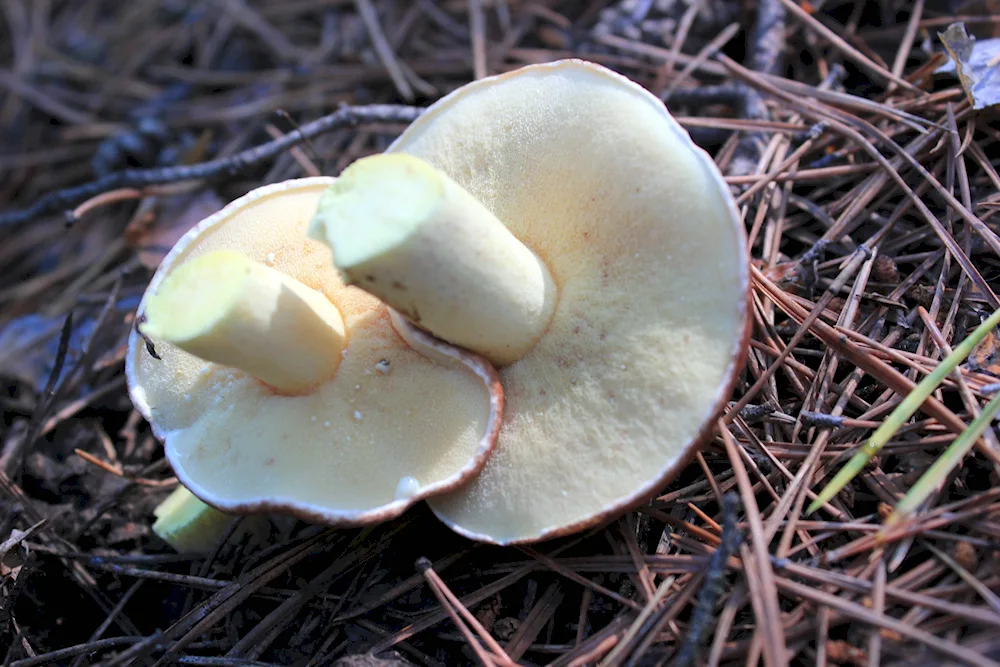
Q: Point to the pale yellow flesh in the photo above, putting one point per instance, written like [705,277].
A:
[406,233]
[341,453]
[189,525]
[225,308]
[646,250]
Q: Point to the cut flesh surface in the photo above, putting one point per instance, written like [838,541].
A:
[390,428]
[646,249]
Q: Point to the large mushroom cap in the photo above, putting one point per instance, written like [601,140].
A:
[647,251]
[391,426]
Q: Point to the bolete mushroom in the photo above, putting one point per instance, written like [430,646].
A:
[278,388]
[557,220]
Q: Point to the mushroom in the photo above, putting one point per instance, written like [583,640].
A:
[278,388]
[557,220]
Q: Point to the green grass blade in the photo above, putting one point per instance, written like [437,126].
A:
[945,463]
[903,412]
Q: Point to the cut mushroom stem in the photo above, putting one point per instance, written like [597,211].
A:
[189,525]
[228,309]
[408,234]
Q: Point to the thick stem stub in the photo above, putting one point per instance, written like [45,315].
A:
[189,525]
[407,233]
[228,309]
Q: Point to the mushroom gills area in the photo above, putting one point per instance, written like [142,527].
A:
[388,425]
[591,174]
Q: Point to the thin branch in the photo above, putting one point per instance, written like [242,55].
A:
[347,117]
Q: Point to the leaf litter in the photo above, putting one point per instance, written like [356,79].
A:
[976,63]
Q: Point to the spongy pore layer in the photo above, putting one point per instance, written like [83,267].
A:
[633,221]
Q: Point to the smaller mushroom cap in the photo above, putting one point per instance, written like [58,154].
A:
[400,420]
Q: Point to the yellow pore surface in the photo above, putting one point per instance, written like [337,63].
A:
[589,172]
[387,415]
